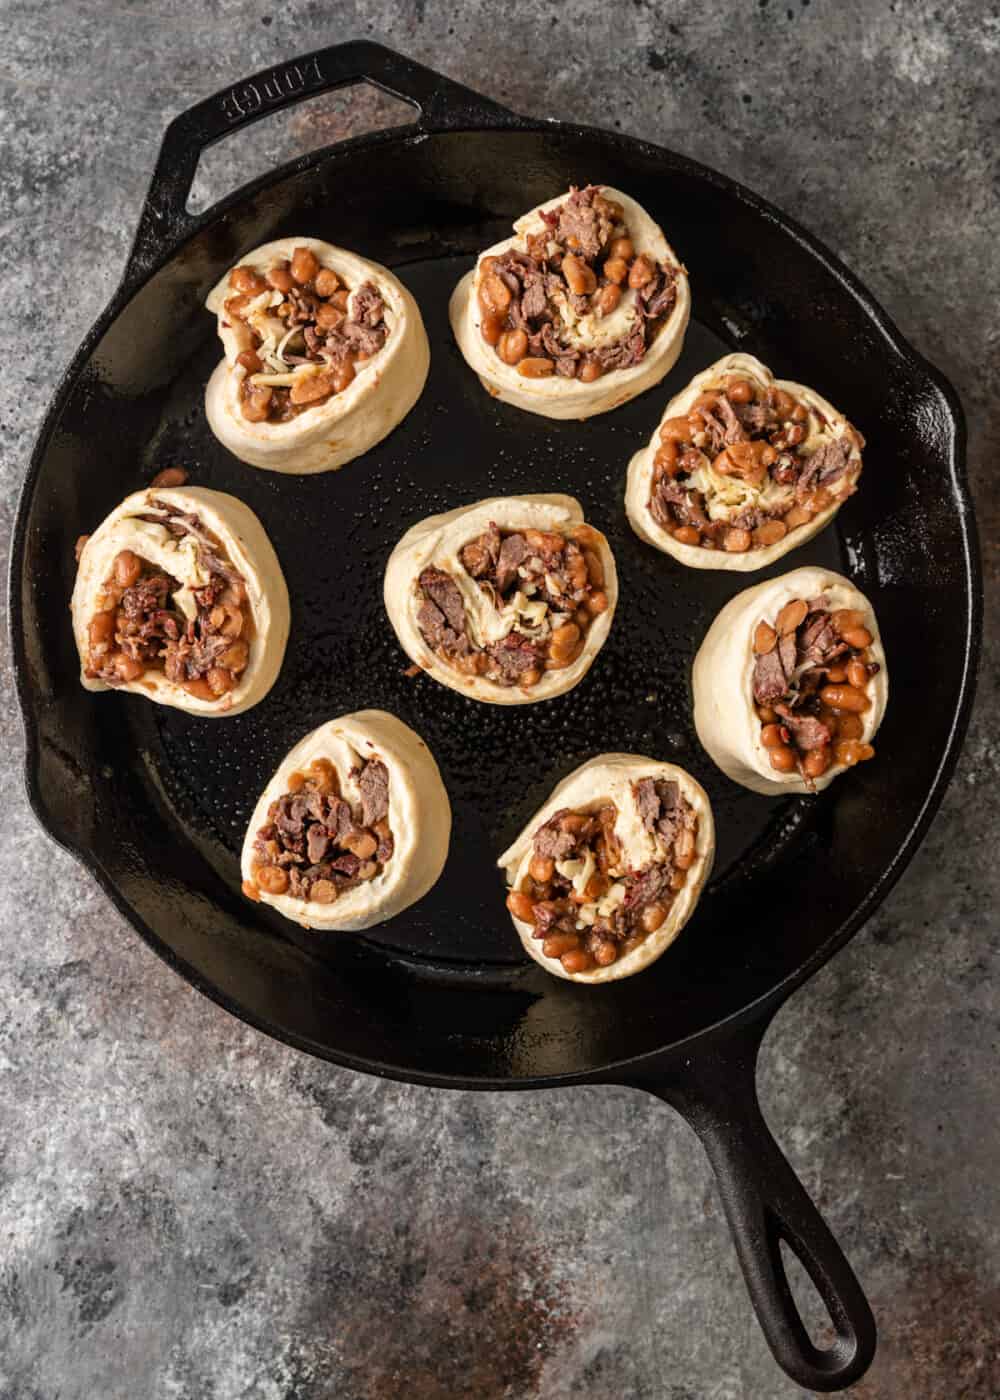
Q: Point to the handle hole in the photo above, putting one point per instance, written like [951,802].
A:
[813,1311]
[315,122]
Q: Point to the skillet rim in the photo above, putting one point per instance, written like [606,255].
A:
[140,269]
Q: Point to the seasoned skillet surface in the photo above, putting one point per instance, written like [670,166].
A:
[160,800]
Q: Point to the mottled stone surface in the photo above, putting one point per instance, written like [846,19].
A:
[188,1210]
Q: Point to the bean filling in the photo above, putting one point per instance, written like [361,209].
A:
[810,683]
[315,843]
[732,473]
[303,334]
[138,627]
[583,263]
[550,586]
[587,909]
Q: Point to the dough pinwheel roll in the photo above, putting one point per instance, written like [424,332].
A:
[742,468]
[607,873]
[585,307]
[507,601]
[790,683]
[179,597]
[325,353]
[353,827]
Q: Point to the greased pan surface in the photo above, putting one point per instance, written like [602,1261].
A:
[155,802]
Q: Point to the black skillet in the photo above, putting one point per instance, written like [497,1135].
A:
[154,802]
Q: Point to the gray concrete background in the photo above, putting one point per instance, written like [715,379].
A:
[188,1210]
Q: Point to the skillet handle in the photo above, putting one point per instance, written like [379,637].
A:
[440,103]
[766,1204]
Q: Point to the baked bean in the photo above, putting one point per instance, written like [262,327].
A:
[607,298]
[641,272]
[816,762]
[327,282]
[799,413]
[200,689]
[737,541]
[251,891]
[747,460]
[323,892]
[494,294]
[250,361]
[128,668]
[531,677]
[544,541]
[798,515]
[246,281]
[304,265]
[235,307]
[169,476]
[581,278]
[257,404]
[589,370]
[611,207]
[622,248]
[558,943]
[312,387]
[563,642]
[782,759]
[844,697]
[597,603]
[323,776]
[536,367]
[795,435]
[677,880]
[296,782]
[772,736]
[652,917]
[666,459]
[220,681]
[849,752]
[857,637]
[684,850]
[849,726]
[280,279]
[836,675]
[522,906]
[675,430]
[781,402]
[616,270]
[595,569]
[235,656]
[227,619]
[769,533]
[791,616]
[766,715]
[542,869]
[687,534]
[739,390]
[343,375]
[487,265]
[605,953]
[577,961]
[765,638]
[127,568]
[328,318]
[512,347]
[101,628]
[341,299]
[360,843]
[847,618]
[857,674]
[272,879]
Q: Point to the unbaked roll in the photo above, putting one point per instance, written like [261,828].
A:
[790,683]
[585,307]
[507,601]
[325,353]
[607,873]
[353,827]
[179,597]
[741,469]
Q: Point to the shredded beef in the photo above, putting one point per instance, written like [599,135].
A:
[734,429]
[551,841]
[809,732]
[444,593]
[769,680]
[514,655]
[715,431]
[582,227]
[513,551]
[373,783]
[663,810]
[623,354]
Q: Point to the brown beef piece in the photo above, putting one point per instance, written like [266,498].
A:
[534,302]
[642,888]
[513,552]
[444,593]
[551,841]
[580,220]
[479,557]
[716,431]
[657,297]
[735,431]
[622,354]
[755,417]
[826,465]
[769,681]
[786,653]
[373,782]
[661,807]
[317,844]
[818,641]
[367,306]
[513,656]
[807,731]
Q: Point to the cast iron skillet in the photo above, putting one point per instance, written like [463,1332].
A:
[154,802]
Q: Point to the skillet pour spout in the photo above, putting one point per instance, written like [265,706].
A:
[154,806]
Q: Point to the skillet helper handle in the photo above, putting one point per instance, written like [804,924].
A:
[440,103]
[766,1204]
